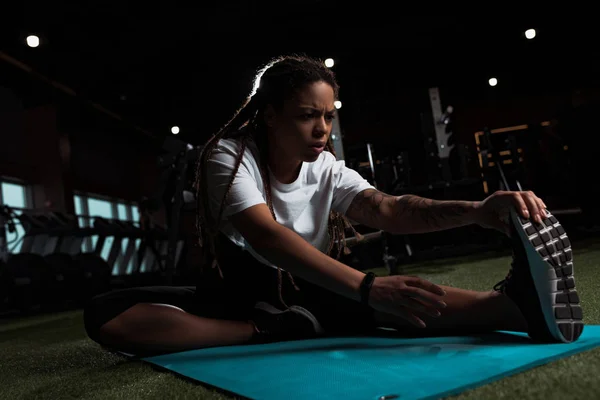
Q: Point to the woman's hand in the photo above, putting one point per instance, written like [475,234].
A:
[403,295]
[494,211]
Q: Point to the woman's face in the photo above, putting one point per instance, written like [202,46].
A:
[302,127]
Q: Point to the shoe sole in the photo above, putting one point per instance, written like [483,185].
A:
[297,309]
[550,260]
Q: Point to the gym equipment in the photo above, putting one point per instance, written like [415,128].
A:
[70,235]
[75,278]
[130,261]
[510,147]
[25,281]
[58,275]
[48,233]
[361,158]
[36,233]
[379,173]
[110,235]
[145,250]
[437,128]
[393,172]
[154,248]
[174,195]
[402,172]
[3,285]
[7,223]
[493,156]
[52,272]
[66,281]
[337,137]
[359,260]
[95,274]
[380,367]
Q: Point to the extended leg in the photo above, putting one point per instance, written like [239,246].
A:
[467,311]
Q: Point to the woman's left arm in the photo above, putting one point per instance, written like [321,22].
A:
[408,214]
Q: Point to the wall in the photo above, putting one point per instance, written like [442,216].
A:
[64,148]
[395,127]
[32,150]
[470,116]
[108,157]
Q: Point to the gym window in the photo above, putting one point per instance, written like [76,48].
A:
[16,195]
[88,206]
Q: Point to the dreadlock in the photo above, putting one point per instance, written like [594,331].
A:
[279,80]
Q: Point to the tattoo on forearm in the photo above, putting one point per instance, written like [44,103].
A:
[408,213]
[368,204]
[434,214]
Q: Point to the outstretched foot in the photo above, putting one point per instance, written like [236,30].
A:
[541,280]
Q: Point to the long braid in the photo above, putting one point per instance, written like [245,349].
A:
[337,225]
[264,171]
[206,225]
[281,78]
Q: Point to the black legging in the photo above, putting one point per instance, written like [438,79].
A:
[246,281]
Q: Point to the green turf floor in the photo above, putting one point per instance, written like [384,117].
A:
[50,357]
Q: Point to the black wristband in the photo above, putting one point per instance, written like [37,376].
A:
[365,288]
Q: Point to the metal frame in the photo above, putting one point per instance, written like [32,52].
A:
[439,125]
[443,149]
[122,255]
[336,137]
[28,195]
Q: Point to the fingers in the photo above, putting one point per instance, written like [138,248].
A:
[425,284]
[532,205]
[416,305]
[404,296]
[427,298]
[411,318]
[535,205]
[541,206]
[521,205]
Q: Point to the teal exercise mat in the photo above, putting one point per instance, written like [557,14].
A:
[367,368]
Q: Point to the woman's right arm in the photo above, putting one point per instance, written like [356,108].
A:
[283,247]
[398,295]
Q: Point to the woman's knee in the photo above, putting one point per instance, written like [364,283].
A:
[97,312]
[138,319]
[121,313]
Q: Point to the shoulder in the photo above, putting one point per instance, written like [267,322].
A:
[228,146]
[328,162]
[233,147]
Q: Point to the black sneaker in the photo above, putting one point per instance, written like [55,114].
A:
[274,325]
[541,280]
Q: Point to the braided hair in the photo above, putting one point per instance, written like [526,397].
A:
[279,80]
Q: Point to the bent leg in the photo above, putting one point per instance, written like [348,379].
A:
[467,311]
[158,319]
[155,328]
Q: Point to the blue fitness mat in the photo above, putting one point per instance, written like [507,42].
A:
[368,368]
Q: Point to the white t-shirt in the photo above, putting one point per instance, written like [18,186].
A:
[302,206]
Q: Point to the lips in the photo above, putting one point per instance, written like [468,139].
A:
[317,148]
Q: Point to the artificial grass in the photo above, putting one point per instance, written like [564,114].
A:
[50,356]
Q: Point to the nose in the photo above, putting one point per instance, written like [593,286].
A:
[320,127]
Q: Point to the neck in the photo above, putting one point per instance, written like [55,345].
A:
[285,169]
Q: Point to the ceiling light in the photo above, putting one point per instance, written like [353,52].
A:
[33,41]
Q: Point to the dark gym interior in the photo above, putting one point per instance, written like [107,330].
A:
[102,118]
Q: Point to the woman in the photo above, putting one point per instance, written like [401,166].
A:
[274,207]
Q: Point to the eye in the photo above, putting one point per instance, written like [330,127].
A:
[330,117]
[306,116]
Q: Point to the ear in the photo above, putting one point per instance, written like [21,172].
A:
[269,116]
